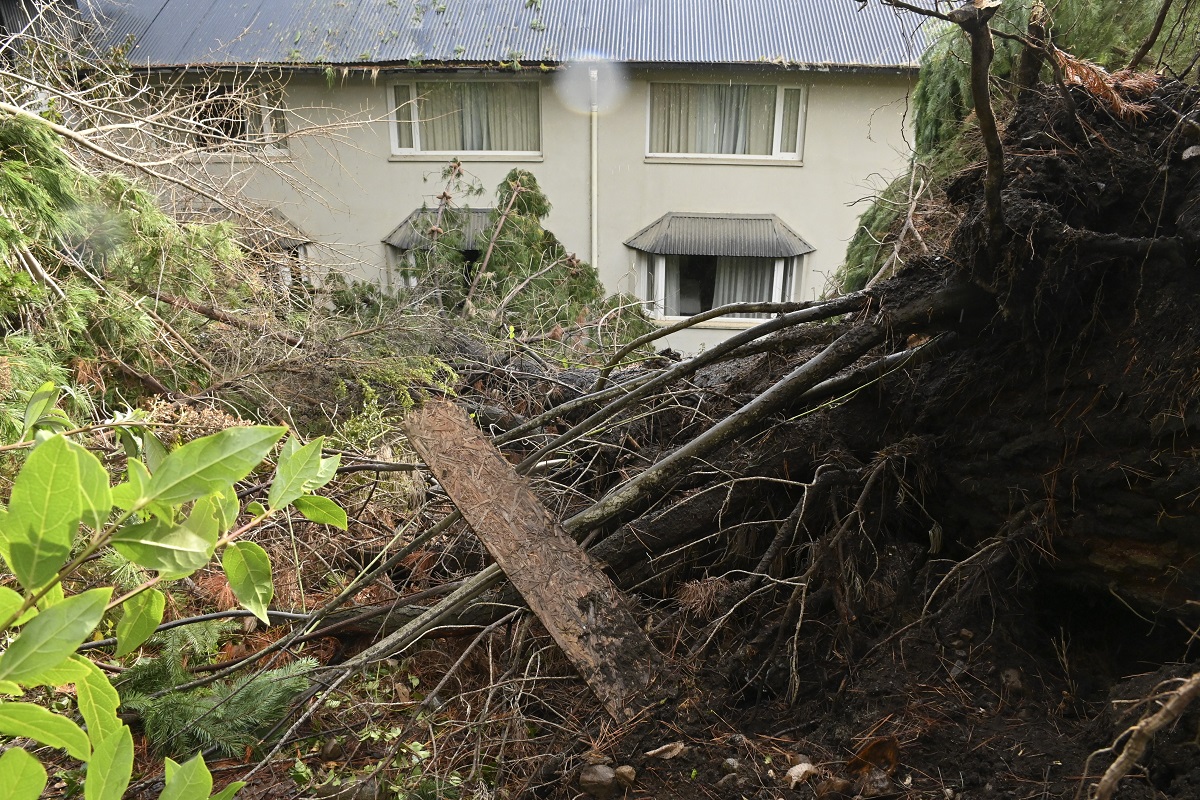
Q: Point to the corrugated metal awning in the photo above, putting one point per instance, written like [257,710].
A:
[413,232]
[688,234]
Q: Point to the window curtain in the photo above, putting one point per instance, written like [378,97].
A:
[671,287]
[479,116]
[743,280]
[718,119]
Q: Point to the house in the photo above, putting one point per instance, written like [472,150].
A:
[695,151]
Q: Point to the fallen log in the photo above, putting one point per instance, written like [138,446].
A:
[580,607]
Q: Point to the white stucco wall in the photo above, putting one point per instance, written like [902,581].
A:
[346,189]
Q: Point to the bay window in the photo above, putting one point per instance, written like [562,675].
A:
[466,116]
[683,285]
[726,119]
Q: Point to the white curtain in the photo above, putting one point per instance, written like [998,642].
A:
[719,119]
[479,116]
[743,280]
[671,287]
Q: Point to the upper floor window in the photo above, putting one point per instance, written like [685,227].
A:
[467,116]
[227,117]
[726,119]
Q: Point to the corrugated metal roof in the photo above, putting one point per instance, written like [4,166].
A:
[413,232]
[752,235]
[830,33]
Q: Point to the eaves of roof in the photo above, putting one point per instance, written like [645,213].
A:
[373,34]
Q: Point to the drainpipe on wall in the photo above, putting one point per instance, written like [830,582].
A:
[594,81]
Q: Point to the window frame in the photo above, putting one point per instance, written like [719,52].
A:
[259,106]
[416,151]
[783,289]
[775,156]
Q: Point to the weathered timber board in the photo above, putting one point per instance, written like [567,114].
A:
[580,607]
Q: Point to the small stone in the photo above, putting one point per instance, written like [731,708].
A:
[598,780]
[967,634]
[833,789]
[731,766]
[1010,680]
[730,780]
[875,783]
[626,775]
[960,653]
[332,750]
[959,668]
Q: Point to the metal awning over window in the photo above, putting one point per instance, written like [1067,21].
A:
[415,232]
[745,235]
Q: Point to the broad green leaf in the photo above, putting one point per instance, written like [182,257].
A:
[40,402]
[322,510]
[11,688]
[143,613]
[51,637]
[10,601]
[229,791]
[154,452]
[208,464]
[95,495]
[172,550]
[301,471]
[43,513]
[35,722]
[170,765]
[188,781]
[255,508]
[69,671]
[249,572]
[22,776]
[52,597]
[127,495]
[225,508]
[97,701]
[111,766]
[205,519]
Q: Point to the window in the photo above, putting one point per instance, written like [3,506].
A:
[466,116]
[720,119]
[229,118]
[681,285]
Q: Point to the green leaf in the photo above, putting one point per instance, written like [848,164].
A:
[41,401]
[67,672]
[229,791]
[143,613]
[188,781]
[170,766]
[60,485]
[297,469]
[35,722]
[110,767]
[154,452]
[172,550]
[208,464]
[51,637]
[11,688]
[22,776]
[205,519]
[10,601]
[249,572]
[255,508]
[128,495]
[97,701]
[321,510]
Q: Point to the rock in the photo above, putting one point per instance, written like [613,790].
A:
[598,780]
[834,789]
[626,775]
[800,773]
[731,779]
[731,766]
[874,783]
[332,750]
[1010,680]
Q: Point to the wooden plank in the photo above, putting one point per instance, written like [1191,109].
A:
[581,608]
